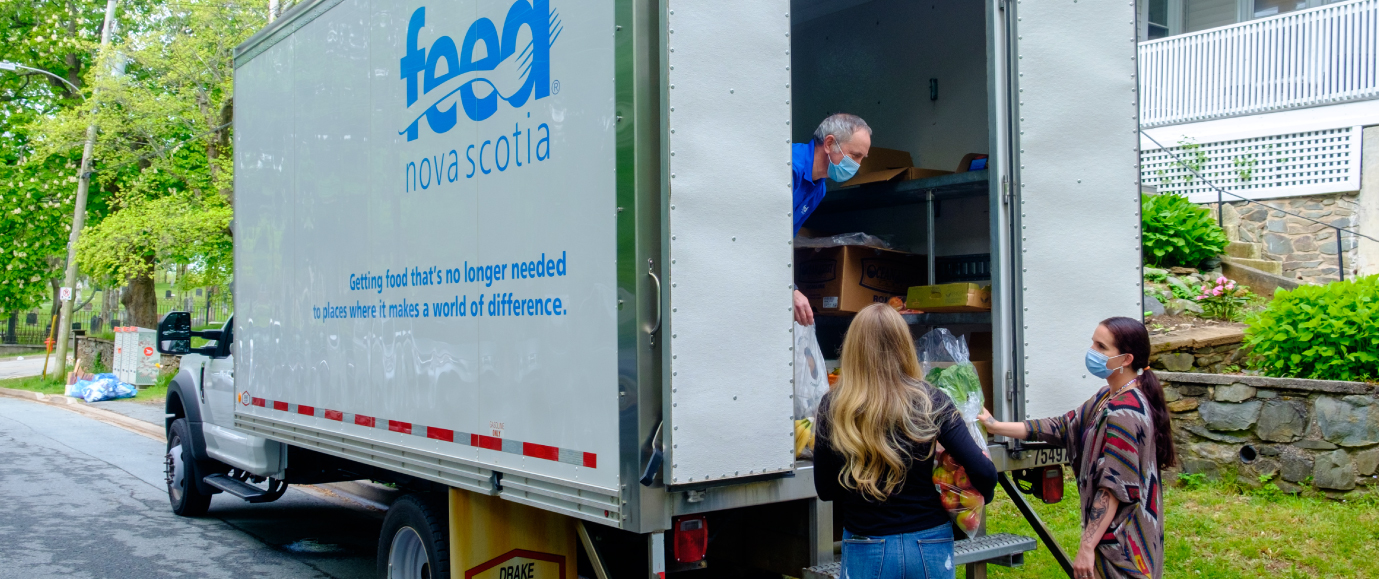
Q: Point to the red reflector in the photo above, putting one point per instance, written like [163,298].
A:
[1052,482]
[335,415]
[279,406]
[691,538]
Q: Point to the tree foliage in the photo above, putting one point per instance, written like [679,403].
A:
[162,97]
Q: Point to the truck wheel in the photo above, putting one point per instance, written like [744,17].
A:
[413,543]
[180,472]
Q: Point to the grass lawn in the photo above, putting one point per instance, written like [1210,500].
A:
[155,394]
[1217,530]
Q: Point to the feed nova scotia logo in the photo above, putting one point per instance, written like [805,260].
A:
[512,67]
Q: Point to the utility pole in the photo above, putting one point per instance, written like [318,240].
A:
[79,212]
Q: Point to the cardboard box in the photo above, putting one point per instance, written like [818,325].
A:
[887,165]
[949,297]
[845,279]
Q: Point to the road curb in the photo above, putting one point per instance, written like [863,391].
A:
[80,407]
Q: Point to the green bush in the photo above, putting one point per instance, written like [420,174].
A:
[1328,332]
[1179,232]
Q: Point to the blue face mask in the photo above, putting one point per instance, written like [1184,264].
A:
[844,169]
[1096,364]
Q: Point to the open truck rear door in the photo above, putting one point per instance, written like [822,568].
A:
[1075,200]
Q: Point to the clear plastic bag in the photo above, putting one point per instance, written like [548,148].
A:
[963,503]
[811,383]
[947,367]
[855,238]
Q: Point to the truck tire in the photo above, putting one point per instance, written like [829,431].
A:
[181,473]
[414,543]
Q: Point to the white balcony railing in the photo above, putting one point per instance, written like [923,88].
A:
[1313,57]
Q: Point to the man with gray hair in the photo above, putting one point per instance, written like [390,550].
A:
[836,151]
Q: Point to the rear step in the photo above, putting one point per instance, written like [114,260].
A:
[245,490]
[1004,549]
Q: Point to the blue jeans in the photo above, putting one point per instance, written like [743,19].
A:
[926,554]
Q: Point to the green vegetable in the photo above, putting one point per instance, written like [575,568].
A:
[959,381]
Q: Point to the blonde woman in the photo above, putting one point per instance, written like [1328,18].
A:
[874,455]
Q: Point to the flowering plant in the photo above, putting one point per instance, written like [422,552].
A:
[1224,300]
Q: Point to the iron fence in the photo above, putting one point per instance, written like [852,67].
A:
[33,326]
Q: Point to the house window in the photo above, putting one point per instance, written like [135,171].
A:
[1267,8]
[1158,26]
[1204,14]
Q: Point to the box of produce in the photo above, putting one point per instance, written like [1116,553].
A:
[949,297]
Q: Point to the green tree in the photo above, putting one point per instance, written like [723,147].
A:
[36,191]
[164,153]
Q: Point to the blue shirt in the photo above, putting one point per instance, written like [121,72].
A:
[808,193]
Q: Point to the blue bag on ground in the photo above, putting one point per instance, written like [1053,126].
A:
[102,387]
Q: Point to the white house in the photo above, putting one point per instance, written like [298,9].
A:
[1276,101]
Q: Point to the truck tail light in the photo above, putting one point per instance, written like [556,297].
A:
[1051,484]
[691,538]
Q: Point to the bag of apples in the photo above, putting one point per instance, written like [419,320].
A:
[963,503]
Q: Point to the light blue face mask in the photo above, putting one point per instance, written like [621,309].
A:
[844,169]
[1096,364]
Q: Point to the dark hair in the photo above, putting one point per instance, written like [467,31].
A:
[1132,338]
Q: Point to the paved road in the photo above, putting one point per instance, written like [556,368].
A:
[86,499]
[29,366]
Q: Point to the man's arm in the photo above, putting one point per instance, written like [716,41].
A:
[804,315]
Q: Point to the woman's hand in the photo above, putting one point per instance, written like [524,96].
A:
[993,426]
[1084,563]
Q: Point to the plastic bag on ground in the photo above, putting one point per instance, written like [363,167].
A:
[102,387]
[963,502]
[811,383]
[855,238]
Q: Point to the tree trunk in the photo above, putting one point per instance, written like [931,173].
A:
[140,299]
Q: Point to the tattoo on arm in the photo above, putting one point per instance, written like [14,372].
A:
[1101,509]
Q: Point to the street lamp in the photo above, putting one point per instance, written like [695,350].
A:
[79,206]
[13,66]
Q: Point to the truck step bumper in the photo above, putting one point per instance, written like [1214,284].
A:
[1004,549]
[242,489]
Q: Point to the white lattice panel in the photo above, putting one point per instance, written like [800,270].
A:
[1267,167]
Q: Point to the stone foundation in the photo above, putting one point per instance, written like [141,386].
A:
[1297,433]
[1209,350]
[1307,250]
[88,348]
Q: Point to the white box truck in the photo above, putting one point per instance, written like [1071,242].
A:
[531,260]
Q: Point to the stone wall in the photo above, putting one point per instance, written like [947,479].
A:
[1307,250]
[88,347]
[1208,349]
[1320,434]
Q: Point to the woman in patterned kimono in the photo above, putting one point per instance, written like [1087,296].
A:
[1117,442]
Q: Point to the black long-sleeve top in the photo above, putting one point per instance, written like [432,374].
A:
[915,505]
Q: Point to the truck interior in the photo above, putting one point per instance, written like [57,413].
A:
[918,73]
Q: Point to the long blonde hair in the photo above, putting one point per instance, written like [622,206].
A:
[880,402]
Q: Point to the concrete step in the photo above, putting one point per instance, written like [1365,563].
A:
[1245,250]
[1264,265]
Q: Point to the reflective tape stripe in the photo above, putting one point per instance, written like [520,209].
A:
[527,449]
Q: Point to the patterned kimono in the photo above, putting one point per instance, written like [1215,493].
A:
[1111,446]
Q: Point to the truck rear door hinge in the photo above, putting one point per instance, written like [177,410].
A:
[1005,189]
[1010,386]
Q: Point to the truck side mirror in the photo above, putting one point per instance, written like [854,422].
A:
[175,334]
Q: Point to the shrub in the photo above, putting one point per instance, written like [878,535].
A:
[1328,332]
[1179,232]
